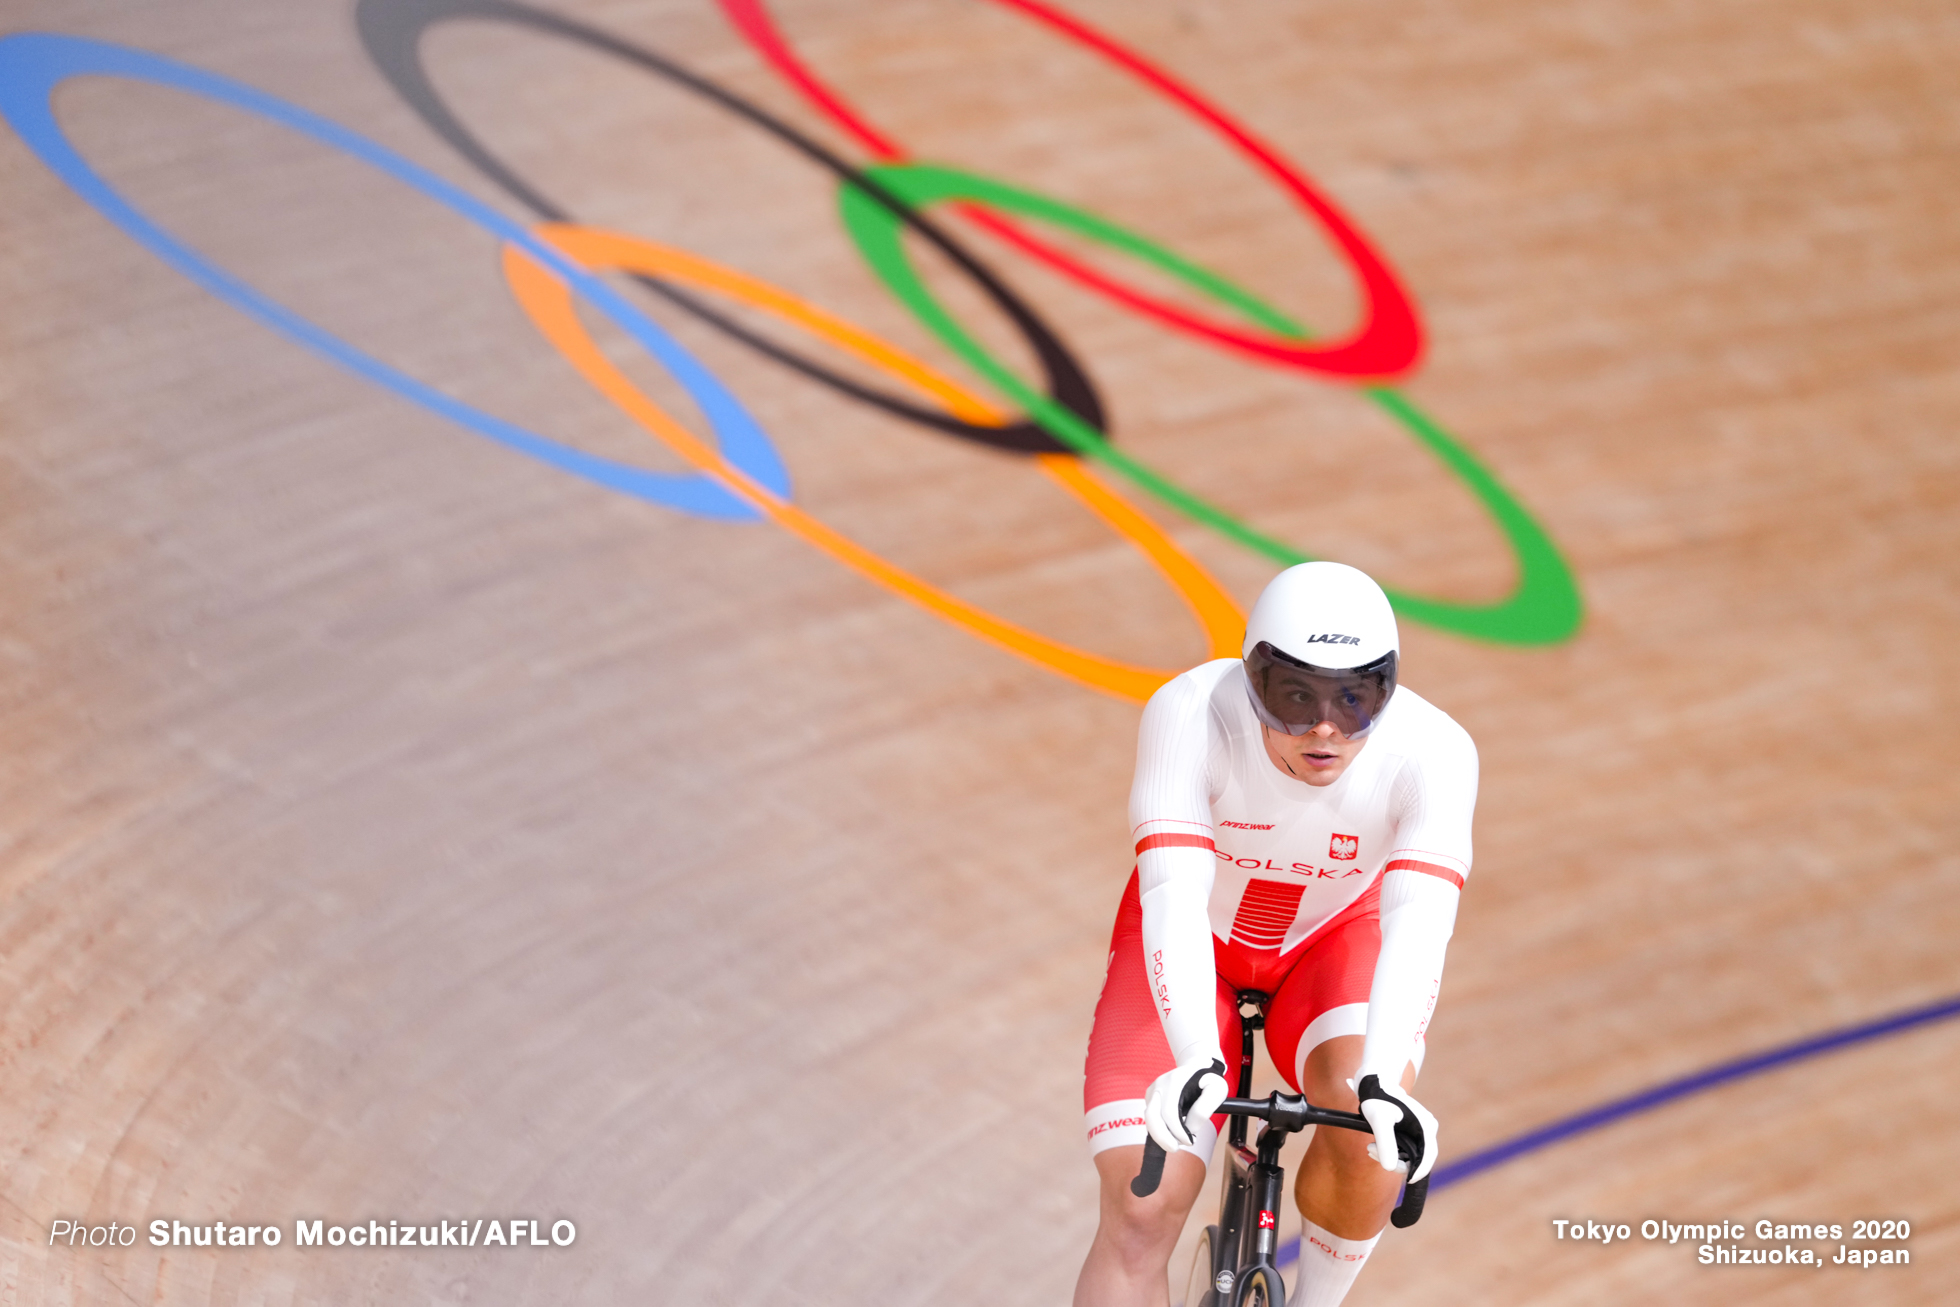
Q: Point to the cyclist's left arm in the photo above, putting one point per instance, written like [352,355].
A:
[1421,885]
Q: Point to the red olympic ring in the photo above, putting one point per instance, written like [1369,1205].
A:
[1388,342]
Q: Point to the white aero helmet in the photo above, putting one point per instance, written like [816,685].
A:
[1321,646]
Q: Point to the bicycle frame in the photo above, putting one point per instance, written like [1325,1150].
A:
[1248,1209]
[1247,1233]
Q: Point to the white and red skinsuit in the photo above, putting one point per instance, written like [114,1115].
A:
[1336,900]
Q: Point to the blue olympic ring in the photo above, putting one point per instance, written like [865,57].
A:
[32,64]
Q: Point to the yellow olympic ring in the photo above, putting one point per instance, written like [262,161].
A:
[549,304]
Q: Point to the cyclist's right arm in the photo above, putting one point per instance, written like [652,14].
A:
[1170,819]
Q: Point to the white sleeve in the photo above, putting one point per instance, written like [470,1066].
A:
[1421,886]
[1170,818]
[1418,915]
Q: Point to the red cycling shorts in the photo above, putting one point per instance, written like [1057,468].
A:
[1319,990]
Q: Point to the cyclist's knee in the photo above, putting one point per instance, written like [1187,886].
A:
[1145,1229]
[1327,1068]
[1346,1153]
[1139,1244]
[1337,1168]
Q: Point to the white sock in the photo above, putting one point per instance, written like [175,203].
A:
[1328,1265]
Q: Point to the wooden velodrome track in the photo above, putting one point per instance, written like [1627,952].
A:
[397,827]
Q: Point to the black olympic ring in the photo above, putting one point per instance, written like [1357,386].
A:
[392,32]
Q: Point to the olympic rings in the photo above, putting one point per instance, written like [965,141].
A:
[32,64]
[747,479]
[736,481]
[549,304]
[1544,607]
[1386,344]
[392,32]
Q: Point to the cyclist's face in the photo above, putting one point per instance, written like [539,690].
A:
[1318,757]
[1300,698]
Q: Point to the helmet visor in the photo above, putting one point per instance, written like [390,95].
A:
[1293,697]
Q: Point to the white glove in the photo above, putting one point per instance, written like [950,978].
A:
[1400,1122]
[1197,1087]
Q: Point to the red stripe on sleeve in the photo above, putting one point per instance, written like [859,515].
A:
[1426,868]
[1176,842]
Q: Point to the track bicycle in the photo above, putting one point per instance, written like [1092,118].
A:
[1233,1266]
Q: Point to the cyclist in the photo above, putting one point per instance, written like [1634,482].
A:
[1302,828]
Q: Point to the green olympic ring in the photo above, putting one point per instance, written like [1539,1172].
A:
[1545,606]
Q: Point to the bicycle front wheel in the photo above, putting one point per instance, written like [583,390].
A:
[1260,1287]
[1202,1290]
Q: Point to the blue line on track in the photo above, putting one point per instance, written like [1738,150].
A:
[1661,1095]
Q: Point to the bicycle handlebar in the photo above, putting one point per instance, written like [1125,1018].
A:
[1151,1173]
[1292,1112]
[1409,1210]
[1288,1112]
